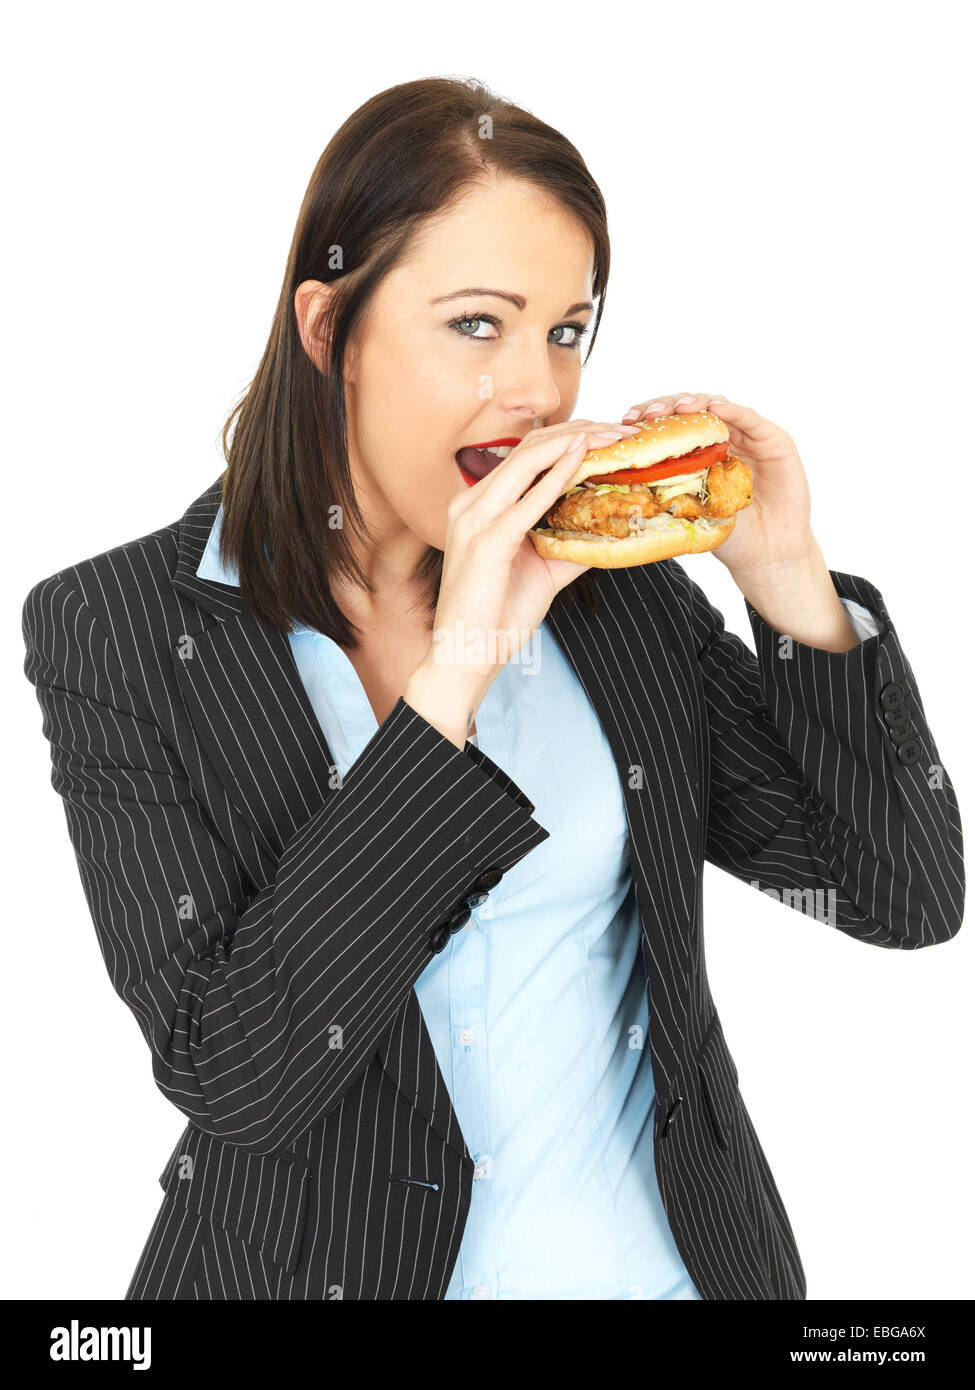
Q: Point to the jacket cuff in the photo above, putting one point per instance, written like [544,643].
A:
[505,824]
[498,775]
[846,693]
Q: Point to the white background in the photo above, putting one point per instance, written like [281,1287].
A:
[787,196]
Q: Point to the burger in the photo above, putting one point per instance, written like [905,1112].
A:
[672,489]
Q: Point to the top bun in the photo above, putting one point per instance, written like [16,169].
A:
[669,436]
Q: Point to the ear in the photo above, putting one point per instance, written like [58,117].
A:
[311,301]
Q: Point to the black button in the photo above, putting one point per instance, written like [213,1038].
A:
[476,899]
[901,735]
[458,918]
[439,939]
[488,880]
[897,718]
[910,751]
[892,696]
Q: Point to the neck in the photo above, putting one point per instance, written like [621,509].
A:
[396,599]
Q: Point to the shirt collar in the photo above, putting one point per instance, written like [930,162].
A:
[212,567]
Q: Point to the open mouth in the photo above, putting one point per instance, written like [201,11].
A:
[476,461]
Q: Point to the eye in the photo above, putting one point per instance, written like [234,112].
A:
[460,326]
[580,330]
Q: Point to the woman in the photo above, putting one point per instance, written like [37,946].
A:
[393,831]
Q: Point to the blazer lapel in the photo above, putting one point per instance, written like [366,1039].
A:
[643,682]
[246,700]
[252,715]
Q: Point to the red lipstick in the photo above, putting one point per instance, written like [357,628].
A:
[487,443]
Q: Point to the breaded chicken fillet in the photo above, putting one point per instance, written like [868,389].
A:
[729,489]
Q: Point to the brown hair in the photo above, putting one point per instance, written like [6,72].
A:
[403,156]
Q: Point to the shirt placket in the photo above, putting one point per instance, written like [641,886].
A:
[470,1038]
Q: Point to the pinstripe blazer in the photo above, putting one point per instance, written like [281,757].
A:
[266,924]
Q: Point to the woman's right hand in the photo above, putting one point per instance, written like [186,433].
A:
[495,588]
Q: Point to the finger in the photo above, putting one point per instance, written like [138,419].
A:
[503,486]
[743,419]
[666,405]
[662,405]
[655,407]
[564,571]
[543,438]
[546,490]
[491,499]
[550,438]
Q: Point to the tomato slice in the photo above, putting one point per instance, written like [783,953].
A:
[668,468]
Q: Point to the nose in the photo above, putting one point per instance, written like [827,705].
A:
[530,389]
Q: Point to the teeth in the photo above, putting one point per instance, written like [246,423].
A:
[501,451]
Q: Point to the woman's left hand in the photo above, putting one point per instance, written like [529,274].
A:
[774,531]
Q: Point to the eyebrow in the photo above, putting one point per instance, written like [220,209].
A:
[518,300]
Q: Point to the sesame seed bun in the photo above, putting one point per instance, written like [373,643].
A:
[668,437]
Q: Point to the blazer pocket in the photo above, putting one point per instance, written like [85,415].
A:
[260,1199]
[718,1081]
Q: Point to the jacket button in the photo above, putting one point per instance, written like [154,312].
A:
[897,718]
[909,752]
[669,1116]
[488,880]
[439,939]
[476,899]
[892,696]
[458,918]
[901,735]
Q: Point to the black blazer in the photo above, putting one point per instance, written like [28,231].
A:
[265,922]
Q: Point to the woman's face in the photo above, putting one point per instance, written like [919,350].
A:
[437,370]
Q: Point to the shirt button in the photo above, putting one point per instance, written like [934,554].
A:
[480,1291]
[482,1167]
[466,1036]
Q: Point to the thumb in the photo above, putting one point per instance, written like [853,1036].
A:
[563,572]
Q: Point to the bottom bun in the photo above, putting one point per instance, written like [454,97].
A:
[659,538]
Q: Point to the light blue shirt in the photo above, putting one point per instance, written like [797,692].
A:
[538,1008]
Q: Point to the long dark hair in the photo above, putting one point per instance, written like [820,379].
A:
[402,157]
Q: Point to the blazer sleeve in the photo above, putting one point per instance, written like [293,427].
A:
[260,1009]
[811,800]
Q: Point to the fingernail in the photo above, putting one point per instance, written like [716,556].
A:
[574,443]
[632,414]
[657,405]
[683,400]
